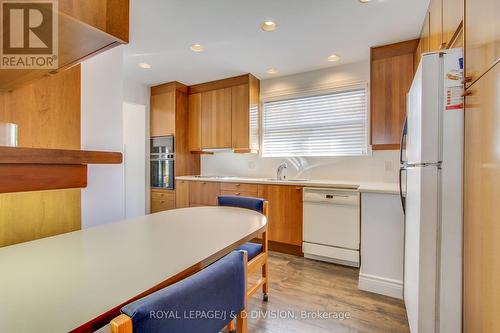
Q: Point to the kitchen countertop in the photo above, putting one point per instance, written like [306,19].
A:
[361,186]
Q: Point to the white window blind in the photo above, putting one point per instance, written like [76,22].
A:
[333,124]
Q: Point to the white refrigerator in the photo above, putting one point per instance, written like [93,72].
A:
[433,202]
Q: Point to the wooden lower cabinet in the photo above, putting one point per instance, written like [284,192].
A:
[162,200]
[181,194]
[285,213]
[203,193]
[285,207]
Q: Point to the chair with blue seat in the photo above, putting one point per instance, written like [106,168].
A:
[257,253]
[205,302]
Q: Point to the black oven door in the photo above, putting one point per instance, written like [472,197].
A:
[162,173]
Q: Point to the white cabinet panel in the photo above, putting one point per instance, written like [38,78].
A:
[382,241]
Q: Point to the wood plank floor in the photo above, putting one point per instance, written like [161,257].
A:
[299,284]
[302,286]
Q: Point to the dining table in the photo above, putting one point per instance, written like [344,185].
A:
[78,281]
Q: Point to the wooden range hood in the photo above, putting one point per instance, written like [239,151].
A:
[37,169]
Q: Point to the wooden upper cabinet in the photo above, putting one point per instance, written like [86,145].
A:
[110,16]
[85,28]
[423,43]
[285,213]
[436,25]
[194,121]
[163,113]
[453,12]
[482,48]
[216,118]
[240,109]
[425,33]
[392,69]
[245,116]
[225,114]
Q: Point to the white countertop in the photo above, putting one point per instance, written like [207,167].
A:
[58,283]
[389,188]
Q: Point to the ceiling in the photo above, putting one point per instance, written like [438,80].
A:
[162,32]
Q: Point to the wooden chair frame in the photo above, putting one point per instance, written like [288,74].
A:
[260,261]
[123,323]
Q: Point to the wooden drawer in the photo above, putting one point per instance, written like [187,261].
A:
[159,205]
[163,194]
[239,187]
[239,193]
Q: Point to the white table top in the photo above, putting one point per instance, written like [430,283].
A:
[58,283]
[361,186]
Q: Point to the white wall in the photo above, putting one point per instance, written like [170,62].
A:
[380,166]
[103,200]
[137,93]
[134,158]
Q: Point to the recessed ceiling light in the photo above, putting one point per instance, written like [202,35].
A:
[268,26]
[144,65]
[197,48]
[333,57]
[272,71]
[364,1]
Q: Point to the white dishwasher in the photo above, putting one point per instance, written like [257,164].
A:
[332,225]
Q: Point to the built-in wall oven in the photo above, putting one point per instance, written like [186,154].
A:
[162,162]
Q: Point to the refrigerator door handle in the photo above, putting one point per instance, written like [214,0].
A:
[404,133]
[402,197]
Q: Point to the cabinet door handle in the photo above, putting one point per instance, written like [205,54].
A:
[298,188]
[162,202]
[238,193]
[237,185]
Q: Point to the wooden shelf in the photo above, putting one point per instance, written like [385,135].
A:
[17,155]
[38,169]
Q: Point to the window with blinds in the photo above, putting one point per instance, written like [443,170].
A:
[333,124]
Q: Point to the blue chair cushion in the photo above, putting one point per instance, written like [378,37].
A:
[252,203]
[253,249]
[202,303]
[255,204]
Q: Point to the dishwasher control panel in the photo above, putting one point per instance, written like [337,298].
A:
[334,196]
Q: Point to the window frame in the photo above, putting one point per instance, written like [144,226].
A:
[282,95]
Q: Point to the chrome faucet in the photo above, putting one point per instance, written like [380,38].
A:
[279,171]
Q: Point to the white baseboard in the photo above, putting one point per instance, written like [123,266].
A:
[380,285]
